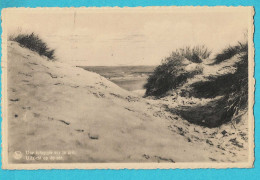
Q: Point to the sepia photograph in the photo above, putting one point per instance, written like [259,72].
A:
[137,88]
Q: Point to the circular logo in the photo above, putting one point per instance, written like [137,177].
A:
[18,155]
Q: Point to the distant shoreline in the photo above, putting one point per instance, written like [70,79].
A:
[131,78]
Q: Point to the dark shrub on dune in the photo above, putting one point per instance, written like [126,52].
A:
[216,86]
[34,43]
[171,73]
[195,54]
[231,51]
[165,77]
[236,99]
[232,87]
[229,85]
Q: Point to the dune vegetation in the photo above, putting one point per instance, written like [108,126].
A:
[173,71]
[223,81]
[34,43]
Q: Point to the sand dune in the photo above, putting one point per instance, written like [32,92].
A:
[53,106]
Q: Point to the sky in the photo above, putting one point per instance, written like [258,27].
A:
[98,37]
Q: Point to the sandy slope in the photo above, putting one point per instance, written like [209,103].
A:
[55,107]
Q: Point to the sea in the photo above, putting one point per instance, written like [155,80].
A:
[131,78]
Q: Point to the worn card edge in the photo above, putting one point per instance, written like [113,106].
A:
[191,165]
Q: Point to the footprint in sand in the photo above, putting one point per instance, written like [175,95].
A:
[93,136]
[79,130]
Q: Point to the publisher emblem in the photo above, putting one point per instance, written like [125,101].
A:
[18,155]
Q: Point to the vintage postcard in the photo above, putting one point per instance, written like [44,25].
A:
[136,88]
